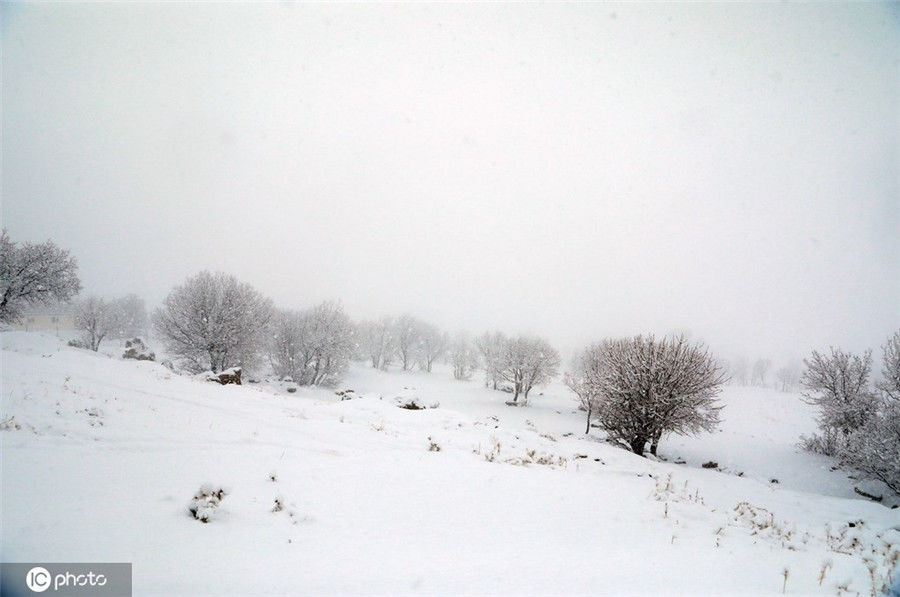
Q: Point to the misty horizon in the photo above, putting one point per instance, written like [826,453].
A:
[572,171]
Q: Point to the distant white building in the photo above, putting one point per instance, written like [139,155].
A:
[50,318]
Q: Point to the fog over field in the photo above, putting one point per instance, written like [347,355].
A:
[574,170]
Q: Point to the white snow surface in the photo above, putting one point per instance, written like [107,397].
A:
[101,458]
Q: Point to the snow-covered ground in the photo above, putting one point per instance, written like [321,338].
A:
[101,457]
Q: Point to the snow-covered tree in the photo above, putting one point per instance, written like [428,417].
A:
[584,379]
[838,384]
[214,322]
[408,333]
[760,371]
[313,347]
[889,384]
[788,377]
[491,346]
[738,371]
[377,341]
[34,274]
[96,319]
[463,357]
[874,447]
[649,387]
[527,362]
[432,345]
[132,317]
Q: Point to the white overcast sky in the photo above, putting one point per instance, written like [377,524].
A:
[575,170]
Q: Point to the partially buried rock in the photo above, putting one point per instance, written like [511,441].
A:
[136,349]
[228,376]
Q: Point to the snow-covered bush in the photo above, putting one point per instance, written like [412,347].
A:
[205,502]
[874,448]
[213,322]
[312,347]
[858,425]
[410,400]
[646,387]
[838,384]
[414,403]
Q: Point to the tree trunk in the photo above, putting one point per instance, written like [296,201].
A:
[637,445]
[654,443]
[587,429]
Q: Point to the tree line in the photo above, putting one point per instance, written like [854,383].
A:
[636,389]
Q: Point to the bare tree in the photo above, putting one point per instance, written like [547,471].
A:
[34,274]
[313,347]
[526,362]
[407,332]
[377,341]
[584,379]
[96,319]
[760,371]
[838,384]
[541,364]
[214,322]
[463,357]
[738,371]
[433,345]
[491,347]
[649,387]
[132,317]
[789,377]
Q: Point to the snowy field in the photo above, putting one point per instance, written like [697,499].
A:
[101,458]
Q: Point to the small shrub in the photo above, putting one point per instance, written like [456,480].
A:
[205,502]
[413,403]
[710,464]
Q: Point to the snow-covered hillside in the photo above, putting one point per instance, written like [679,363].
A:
[101,458]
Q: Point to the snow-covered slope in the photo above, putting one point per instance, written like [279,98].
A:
[101,458]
